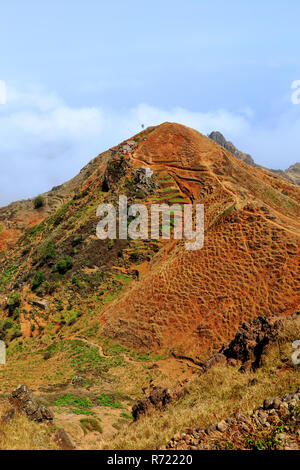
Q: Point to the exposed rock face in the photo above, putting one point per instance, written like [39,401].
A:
[116,169]
[251,341]
[159,397]
[144,183]
[23,400]
[240,428]
[292,174]
[43,304]
[217,137]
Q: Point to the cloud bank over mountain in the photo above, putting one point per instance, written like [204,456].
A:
[44,141]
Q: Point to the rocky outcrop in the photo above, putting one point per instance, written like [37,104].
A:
[158,398]
[217,137]
[143,182]
[247,349]
[251,342]
[275,425]
[42,304]
[116,168]
[22,399]
[293,172]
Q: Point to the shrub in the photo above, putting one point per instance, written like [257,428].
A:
[9,330]
[14,332]
[91,424]
[37,280]
[68,317]
[63,265]
[111,244]
[75,281]
[47,251]
[13,302]
[38,202]
[7,325]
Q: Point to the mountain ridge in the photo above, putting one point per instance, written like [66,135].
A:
[292,173]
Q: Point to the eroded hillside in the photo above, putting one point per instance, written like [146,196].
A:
[155,295]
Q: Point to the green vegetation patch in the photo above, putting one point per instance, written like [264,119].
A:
[84,357]
[63,265]
[107,400]
[7,275]
[78,405]
[47,252]
[38,279]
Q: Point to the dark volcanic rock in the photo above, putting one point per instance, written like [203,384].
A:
[23,400]
[116,168]
[251,340]
[159,397]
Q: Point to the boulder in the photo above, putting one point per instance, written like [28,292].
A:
[62,439]
[22,399]
[43,304]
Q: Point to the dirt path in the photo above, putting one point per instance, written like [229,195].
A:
[100,349]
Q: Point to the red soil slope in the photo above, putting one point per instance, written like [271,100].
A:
[193,301]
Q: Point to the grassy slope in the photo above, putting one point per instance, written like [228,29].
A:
[214,396]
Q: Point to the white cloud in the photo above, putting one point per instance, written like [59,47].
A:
[44,142]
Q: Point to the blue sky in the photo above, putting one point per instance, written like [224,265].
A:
[83,75]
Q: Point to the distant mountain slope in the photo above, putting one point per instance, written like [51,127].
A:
[21,215]
[292,174]
[217,137]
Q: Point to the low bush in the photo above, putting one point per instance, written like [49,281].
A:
[13,302]
[37,280]
[63,265]
[38,202]
[47,252]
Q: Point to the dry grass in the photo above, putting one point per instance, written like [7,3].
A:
[214,396]
[22,434]
[207,399]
